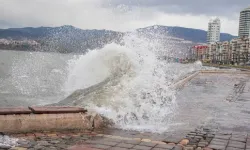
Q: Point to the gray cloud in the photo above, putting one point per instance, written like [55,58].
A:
[121,15]
[196,7]
[5,24]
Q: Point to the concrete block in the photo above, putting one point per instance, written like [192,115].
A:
[44,122]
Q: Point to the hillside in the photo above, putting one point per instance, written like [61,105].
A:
[194,35]
[67,39]
[63,39]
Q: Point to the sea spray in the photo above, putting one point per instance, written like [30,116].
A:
[137,94]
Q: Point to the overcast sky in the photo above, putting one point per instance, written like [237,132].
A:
[121,15]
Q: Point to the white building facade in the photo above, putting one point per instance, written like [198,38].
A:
[244,24]
[213,33]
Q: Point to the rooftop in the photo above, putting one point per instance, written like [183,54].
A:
[214,20]
[247,9]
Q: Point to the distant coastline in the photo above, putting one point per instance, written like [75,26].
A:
[69,39]
[22,45]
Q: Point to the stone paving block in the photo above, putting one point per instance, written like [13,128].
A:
[194,146]
[100,146]
[117,148]
[193,141]
[188,148]
[192,133]
[146,140]
[80,147]
[166,146]
[51,135]
[108,143]
[125,145]
[208,140]
[174,139]
[139,147]
[217,147]
[232,148]
[239,134]
[225,137]
[113,140]
[177,147]
[200,134]
[198,137]
[147,144]
[184,142]
[101,142]
[219,142]
[204,132]
[158,149]
[224,133]
[158,142]
[202,144]
[206,148]
[132,141]
[190,136]
[210,136]
[241,139]
[236,144]
[206,129]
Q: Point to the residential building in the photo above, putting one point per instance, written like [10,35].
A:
[213,33]
[236,51]
[244,23]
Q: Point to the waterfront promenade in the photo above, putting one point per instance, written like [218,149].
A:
[212,113]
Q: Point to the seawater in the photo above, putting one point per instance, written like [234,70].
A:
[136,94]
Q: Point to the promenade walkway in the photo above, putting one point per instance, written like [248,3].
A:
[212,113]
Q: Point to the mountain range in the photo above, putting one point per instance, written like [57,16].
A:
[67,39]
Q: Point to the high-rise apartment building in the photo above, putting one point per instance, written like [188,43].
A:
[213,33]
[244,25]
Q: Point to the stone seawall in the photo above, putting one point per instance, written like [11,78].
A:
[33,119]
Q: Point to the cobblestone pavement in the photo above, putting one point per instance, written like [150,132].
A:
[89,140]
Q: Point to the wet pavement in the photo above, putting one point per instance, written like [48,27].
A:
[216,101]
[212,113]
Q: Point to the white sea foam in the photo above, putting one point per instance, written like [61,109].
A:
[137,95]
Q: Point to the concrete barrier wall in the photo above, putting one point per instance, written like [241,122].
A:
[47,119]
[224,72]
[182,82]
[44,122]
